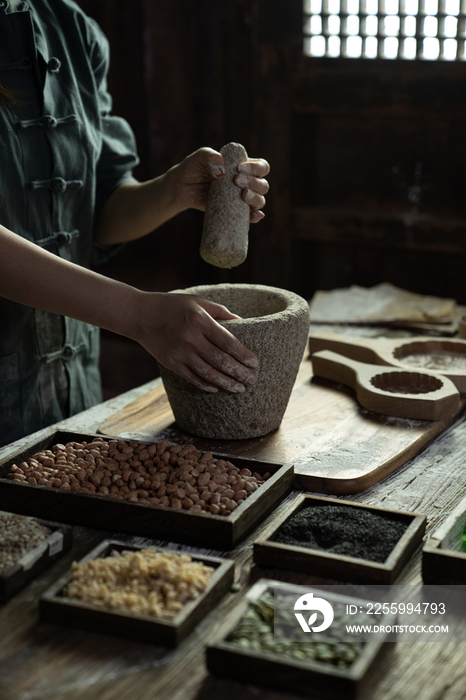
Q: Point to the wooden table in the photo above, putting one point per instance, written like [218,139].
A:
[46,662]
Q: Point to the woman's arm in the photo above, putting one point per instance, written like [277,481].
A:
[135,209]
[179,330]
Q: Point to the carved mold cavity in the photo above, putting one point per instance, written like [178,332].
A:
[434,355]
[406,382]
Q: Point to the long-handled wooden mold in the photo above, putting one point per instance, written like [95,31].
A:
[444,356]
[390,391]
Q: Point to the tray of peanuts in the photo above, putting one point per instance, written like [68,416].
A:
[157,490]
[143,593]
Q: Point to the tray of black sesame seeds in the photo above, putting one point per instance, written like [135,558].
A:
[28,546]
[444,553]
[158,490]
[340,540]
[262,643]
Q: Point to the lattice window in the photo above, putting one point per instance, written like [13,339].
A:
[387,29]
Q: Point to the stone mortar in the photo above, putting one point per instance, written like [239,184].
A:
[274,324]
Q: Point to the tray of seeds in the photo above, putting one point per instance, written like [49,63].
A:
[27,547]
[155,490]
[340,540]
[143,593]
[444,554]
[263,643]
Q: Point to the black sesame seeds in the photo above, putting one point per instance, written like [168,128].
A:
[354,532]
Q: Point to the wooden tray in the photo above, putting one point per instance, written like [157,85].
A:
[36,560]
[159,522]
[55,607]
[270,554]
[443,560]
[335,445]
[291,675]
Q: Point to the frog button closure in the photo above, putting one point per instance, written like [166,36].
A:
[64,238]
[54,65]
[4,4]
[49,122]
[68,351]
[58,184]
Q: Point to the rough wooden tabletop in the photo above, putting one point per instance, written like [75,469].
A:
[47,662]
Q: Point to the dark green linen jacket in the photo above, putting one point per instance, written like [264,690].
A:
[62,154]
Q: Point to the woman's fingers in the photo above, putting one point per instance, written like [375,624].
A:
[254,190]
[190,180]
[221,338]
[207,372]
[204,377]
[184,334]
[222,368]
[209,368]
[190,376]
[257,184]
[222,360]
[223,341]
[255,166]
[255,216]
[251,179]
[255,201]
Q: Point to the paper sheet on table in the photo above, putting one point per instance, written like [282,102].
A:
[383,303]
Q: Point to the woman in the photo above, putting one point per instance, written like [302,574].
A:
[67,200]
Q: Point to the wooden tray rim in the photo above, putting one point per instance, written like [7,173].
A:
[434,543]
[224,570]
[354,674]
[279,472]
[412,534]
[63,528]
[13,579]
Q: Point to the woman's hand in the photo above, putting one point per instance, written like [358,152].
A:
[190,181]
[135,209]
[182,332]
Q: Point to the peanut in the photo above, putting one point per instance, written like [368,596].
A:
[203,479]
[157,474]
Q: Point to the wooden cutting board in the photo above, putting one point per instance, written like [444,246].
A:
[337,446]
